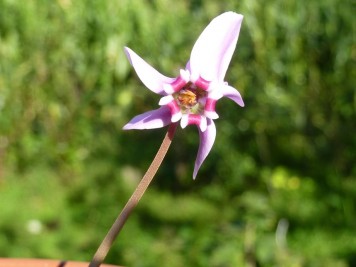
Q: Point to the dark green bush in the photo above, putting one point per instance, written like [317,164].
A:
[278,188]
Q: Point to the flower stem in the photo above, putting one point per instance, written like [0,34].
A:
[115,229]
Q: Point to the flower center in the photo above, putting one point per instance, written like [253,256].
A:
[191,99]
[187,98]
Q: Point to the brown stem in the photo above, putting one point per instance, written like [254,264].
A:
[115,229]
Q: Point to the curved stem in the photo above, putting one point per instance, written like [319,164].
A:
[115,229]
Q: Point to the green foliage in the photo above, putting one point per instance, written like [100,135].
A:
[278,188]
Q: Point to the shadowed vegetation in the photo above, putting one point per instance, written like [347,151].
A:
[278,188]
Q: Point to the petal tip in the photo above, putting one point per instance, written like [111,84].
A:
[233,15]
[126,127]
[176,117]
[211,115]
[241,103]
[165,100]
[128,53]
[184,121]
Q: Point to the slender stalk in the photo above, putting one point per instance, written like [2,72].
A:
[115,229]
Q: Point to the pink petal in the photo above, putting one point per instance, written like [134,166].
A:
[176,114]
[150,77]
[187,66]
[233,94]
[207,139]
[209,108]
[150,120]
[189,119]
[212,52]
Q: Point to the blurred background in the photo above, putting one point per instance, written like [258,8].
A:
[279,186]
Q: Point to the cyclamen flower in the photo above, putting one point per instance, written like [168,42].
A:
[191,97]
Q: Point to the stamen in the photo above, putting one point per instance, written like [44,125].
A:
[187,98]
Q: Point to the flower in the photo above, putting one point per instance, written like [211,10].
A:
[191,97]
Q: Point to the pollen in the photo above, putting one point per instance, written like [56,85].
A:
[187,98]
[191,99]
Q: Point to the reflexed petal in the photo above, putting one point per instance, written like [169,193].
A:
[207,139]
[212,52]
[150,77]
[150,120]
[233,94]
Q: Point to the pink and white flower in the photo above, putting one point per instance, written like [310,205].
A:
[192,95]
